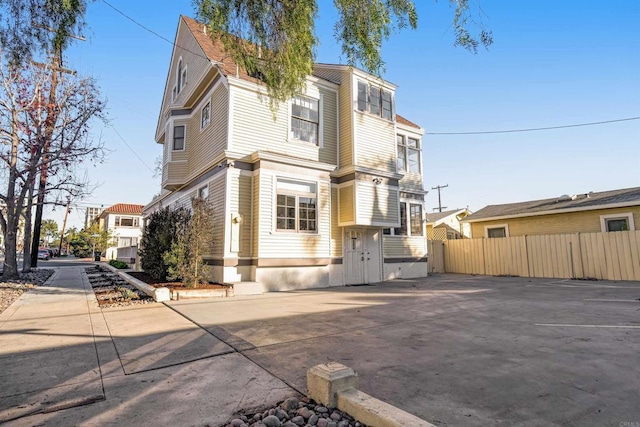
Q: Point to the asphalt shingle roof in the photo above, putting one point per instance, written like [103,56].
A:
[437,216]
[581,201]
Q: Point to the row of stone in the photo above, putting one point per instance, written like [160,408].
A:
[296,413]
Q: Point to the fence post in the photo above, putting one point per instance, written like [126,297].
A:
[573,270]
[580,254]
[526,251]
[484,257]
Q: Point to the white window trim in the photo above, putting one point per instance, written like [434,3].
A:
[367,111]
[275,207]
[408,202]
[627,215]
[405,145]
[203,127]
[320,98]
[184,143]
[488,227]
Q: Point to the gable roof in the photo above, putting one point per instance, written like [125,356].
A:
[435,217]
[406,122]
[123,208]
[579,202]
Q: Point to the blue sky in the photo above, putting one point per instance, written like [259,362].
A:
[552,64]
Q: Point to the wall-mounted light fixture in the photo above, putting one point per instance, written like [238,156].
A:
[377,180]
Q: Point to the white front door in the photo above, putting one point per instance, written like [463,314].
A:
[362,260]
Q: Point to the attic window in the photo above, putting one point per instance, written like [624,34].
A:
[374,100]
[181,77]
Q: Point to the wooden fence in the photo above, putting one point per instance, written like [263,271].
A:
[605,256]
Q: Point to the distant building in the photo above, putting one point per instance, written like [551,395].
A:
[124,221]
[90,214]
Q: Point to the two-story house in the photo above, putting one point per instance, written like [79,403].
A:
[325,191]
[124,222]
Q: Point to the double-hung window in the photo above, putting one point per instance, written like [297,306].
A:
[305,119]
[296,206]
[374,100]
[178,138]
[408,154]
[415,214]
[127,221]
[617,222]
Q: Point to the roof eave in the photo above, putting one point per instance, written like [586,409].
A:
[556,211]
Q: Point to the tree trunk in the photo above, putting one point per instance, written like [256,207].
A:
[26,251]
[10,267]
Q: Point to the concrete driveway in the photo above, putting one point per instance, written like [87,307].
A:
[452,349]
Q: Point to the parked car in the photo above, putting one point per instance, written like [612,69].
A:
[43,254]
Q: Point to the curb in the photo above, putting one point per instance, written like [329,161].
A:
[158,294]
[333,384]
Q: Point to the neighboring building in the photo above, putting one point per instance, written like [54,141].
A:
[327,190]
[90,214]
[603,211]
[447,226]
[124,221]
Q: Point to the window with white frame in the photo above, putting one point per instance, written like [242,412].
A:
[203,192]
[205,115]
[408,154]
[617,222]
[127,221]
[296,206]
[496,231]
[374,100]
[305,119]
[178,138]
[411,223]
[181,75]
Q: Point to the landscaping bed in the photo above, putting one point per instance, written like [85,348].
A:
[113,291]
[11,290]
[179,290]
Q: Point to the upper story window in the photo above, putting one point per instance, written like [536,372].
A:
[181,79]
[127,221]
[205,117]
[305,119]
[178,138]
[296,206]
[408,154]
[374,100]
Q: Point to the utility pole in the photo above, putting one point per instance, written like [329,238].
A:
[52,117]
[439,187]
[64,224]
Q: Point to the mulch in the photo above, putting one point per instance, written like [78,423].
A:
[146,278]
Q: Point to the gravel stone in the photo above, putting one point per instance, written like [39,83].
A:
[305,412]
[322,422]
[289,404]
[272,421]
[281,414]
[313,419]
[298,420]
[321,409]
[335,416]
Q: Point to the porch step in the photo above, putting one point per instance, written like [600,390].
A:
[247,288]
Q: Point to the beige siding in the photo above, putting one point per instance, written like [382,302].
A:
[256,194]
[204,145]
[346,123]
[329,151]
[607,256]
[404,246]
[240,187]
[275,244]
[375,143]
[572,222]
[347,207]
[176,171]
[216,201]
[187,47]
[376,204]
[411,181]
[336,231]
[254,128]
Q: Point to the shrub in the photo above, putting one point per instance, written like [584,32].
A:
[157,239]
[118,264]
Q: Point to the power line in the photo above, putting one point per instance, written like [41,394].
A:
[132,150]
[150,30]
[534,129]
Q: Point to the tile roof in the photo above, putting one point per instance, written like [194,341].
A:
[628,196]
[125,208]
[214,50]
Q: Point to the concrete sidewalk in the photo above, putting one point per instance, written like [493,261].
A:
[67,362]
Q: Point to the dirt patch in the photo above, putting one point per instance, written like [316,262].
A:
[112,291]
[177,286]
